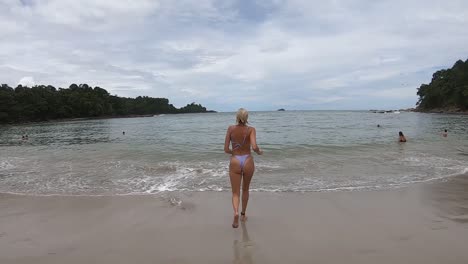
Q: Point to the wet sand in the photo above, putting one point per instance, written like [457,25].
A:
[426,223]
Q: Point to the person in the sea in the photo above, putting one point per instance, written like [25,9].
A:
[445,133]
[401,137]
[241,167]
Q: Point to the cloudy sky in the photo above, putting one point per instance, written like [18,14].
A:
[226,54]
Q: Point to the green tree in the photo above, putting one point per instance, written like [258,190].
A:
[448,89]
[47,102]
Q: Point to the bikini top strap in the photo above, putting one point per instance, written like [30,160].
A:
[243,141]
[245,136]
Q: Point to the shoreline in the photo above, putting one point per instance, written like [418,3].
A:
[207,112]
[59,120]
[422,223]
[441,111]
[96,118]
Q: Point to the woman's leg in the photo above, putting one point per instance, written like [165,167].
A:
[249,169]
[235,176]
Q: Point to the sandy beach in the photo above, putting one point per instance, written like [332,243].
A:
[425,223]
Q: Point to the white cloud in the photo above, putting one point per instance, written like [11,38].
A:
[297,53]
[395,93]
[92,13]
[27,81]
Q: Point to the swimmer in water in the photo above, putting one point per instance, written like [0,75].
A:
[445,133]
[401,137]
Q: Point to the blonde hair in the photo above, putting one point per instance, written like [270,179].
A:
[242,116]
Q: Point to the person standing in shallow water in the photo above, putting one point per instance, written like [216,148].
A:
[445,133]
[241,167]
[401,137]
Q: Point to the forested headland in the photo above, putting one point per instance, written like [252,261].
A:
[45,102]
[447,91]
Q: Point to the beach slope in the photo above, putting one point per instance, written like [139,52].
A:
[426,223]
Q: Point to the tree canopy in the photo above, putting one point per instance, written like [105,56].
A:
[448,89]
[41,102]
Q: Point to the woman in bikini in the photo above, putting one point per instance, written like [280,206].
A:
[241,168]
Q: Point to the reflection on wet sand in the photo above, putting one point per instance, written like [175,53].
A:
[450,198]
[243,249]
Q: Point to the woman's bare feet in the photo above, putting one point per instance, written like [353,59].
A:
[235,223]
[243,217]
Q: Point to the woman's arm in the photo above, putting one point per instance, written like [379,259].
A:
[253,142]
[227,140]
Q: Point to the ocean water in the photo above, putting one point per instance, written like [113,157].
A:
[303,151]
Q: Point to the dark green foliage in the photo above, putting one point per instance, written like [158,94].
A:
[192,108]
[448,89]
[46,103]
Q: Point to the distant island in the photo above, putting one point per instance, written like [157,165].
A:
[447,92]
[42,103]
[281,109]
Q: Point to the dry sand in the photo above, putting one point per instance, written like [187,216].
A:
[426,223]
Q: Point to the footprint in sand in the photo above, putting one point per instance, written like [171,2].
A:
[404,238]
[439,228]
[367,251]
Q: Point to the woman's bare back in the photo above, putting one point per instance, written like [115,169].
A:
[240,139]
